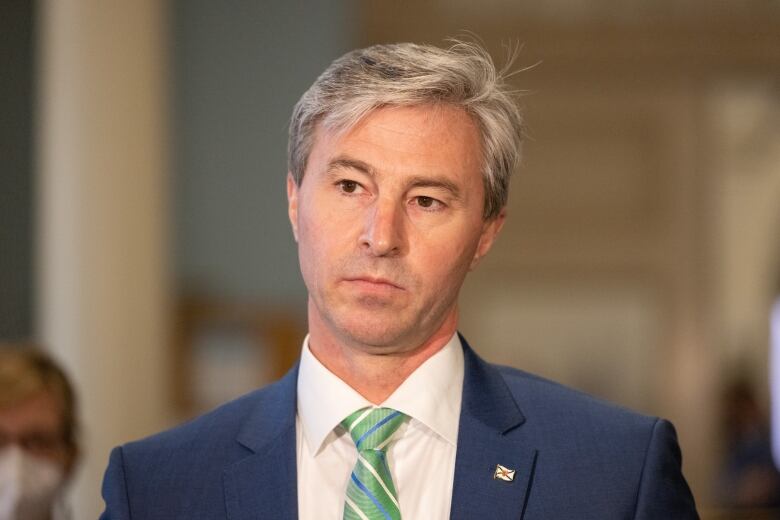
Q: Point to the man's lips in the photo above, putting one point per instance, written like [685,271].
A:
[371,282]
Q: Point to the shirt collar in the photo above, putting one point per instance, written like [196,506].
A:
[431,395]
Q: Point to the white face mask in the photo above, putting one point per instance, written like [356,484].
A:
[29,485]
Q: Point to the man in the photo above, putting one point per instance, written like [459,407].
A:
[38,448]
[400,157]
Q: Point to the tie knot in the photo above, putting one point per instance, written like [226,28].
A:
[372,428]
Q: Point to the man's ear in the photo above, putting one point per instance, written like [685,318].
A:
[490,230]
[292,204]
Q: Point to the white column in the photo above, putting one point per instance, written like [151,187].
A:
[102,248]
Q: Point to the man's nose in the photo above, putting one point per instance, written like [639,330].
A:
[383,233]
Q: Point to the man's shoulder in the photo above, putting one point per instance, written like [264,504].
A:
[611,460]
[182,469]
[545,401]
[221,426]
[222,420]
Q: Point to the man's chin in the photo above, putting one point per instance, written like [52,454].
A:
[377,337]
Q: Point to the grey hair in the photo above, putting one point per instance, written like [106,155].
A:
[407,74]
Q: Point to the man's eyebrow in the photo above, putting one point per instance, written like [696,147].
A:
[436,182]
[344,162]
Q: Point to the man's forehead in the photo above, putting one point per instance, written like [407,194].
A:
[424,138]
[420,124]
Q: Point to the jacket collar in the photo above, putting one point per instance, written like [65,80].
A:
[264,484]
[489,434]
[486,398]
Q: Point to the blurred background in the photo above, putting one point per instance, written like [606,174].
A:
[144,238]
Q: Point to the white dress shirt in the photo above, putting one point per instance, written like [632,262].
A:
[421,457]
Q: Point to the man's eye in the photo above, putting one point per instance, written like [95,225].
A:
[427,202]
[348,186]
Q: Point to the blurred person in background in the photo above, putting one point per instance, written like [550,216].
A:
[38,449]
[748,477]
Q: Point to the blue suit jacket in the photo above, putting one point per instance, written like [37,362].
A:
[574,456]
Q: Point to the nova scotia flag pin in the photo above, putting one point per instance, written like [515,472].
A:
[505,474]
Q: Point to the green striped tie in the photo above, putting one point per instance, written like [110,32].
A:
[370,493]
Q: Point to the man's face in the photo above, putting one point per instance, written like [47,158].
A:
[388,220]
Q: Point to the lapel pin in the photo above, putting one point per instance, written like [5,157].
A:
[503,473]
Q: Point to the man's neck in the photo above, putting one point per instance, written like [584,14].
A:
[374,376]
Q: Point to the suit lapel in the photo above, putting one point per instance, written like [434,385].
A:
[264,483]
[488,435]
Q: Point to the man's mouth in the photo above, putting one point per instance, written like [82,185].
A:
[374,283]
